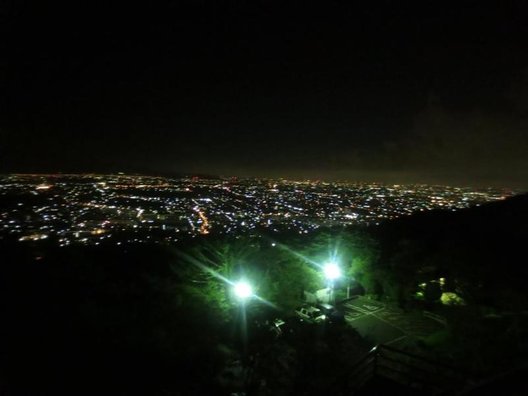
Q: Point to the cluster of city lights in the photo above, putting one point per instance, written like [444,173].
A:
[117,209]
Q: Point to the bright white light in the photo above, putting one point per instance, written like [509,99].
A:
[332,271]
[243,290]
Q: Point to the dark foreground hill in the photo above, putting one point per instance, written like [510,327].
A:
[469,267]
[481,251]
[139,320]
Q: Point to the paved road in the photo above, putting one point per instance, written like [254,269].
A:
[380,323]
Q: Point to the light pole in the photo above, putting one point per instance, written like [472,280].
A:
[243,291]
[332,272]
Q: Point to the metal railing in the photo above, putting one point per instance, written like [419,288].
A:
[409,370]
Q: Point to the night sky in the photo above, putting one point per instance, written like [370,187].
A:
[389,91]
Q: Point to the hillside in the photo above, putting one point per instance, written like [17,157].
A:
[480,251]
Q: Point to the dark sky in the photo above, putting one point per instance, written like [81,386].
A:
[395,91]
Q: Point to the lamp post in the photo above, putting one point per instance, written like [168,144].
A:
[243,291]
[332,272]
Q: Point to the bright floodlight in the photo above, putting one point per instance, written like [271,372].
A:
[332,271]
[243,290]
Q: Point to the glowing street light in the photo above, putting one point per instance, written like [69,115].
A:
[331,271]
[243,290]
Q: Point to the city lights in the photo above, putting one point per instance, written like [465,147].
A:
[117,209]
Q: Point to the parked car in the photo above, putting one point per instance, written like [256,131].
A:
[310,314]
[331,313]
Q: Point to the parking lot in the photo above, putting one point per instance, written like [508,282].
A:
[381,323]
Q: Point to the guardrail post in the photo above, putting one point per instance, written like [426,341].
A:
[375,361]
